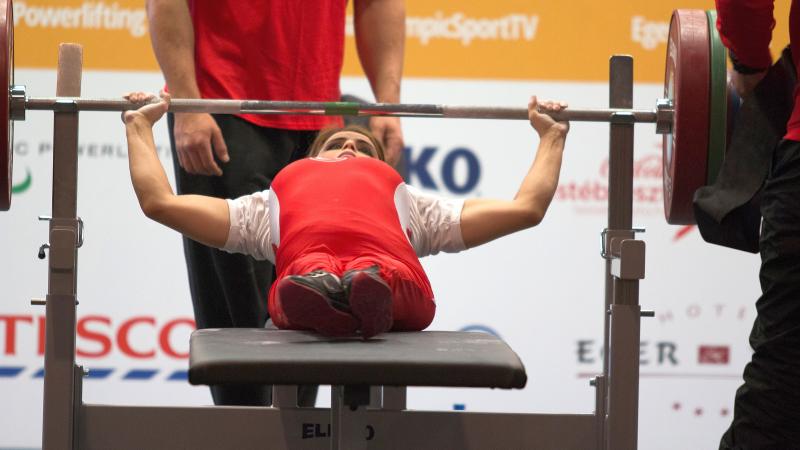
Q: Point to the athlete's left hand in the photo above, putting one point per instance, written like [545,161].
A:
[150,109]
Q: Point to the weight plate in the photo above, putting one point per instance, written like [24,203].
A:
[686,83]
[6,80]
[717,132]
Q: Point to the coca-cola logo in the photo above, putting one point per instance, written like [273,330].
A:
[647,188]
[589,196]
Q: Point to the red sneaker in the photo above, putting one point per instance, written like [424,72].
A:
[307,303]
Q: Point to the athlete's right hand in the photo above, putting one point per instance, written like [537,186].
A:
[196,137]
[543,123]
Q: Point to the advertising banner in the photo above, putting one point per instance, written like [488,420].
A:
[541,290]
[508,39]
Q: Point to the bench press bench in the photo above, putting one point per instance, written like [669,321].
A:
[368,379]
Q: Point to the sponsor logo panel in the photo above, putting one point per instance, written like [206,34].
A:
[515,39]
[136,348]
[456,171]
[114,34]
[523,39]
[674,351]
[588,195]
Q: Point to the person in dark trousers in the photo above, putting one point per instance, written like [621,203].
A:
[268,50]
[767,406]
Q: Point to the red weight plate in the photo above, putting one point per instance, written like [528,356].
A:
[686,83]
[6,78]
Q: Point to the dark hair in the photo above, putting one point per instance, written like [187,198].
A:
[326,133]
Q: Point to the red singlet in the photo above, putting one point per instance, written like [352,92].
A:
[342,214]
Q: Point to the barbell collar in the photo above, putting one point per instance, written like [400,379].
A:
[262,107]
[665,115]
[16,99]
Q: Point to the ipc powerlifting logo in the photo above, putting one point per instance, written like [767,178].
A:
[24,185]
[30,152]
[456,170]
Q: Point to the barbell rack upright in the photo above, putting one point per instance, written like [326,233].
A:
[61,375]
[622,311]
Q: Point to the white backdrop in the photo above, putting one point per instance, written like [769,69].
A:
[541,290]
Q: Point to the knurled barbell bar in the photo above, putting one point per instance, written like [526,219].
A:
[692,114]
[19,103]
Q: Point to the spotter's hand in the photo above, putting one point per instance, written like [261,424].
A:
[388,132]
[744,84]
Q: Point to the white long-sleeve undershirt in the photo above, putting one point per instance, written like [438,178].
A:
[433,223]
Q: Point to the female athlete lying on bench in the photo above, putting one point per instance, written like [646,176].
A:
[343,229]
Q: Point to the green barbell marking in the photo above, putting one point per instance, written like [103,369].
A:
[341,108]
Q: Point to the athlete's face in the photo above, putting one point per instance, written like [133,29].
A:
[348,144]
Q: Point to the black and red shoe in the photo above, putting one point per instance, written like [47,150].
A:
[370,300]
[316,301]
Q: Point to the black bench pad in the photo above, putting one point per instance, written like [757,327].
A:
[422,358]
